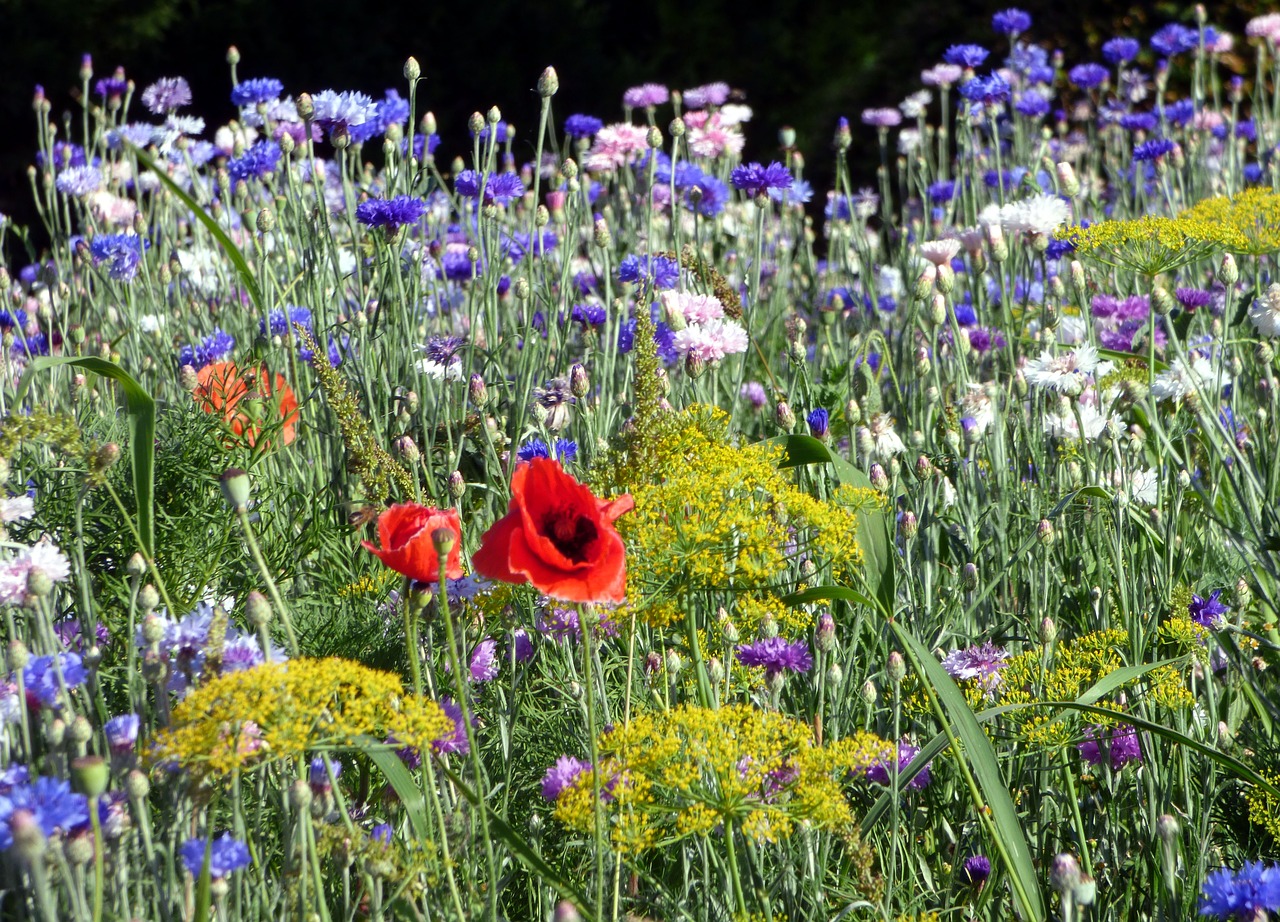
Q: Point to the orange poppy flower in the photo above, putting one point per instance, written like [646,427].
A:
[246,399]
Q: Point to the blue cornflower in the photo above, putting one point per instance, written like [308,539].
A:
[257,162]
[986,90]
[589,315]
[1153,149]
[1032,104]
[1088,76]
[501,133]
[966,55]
[338,113]
[944,190]
[819,421]
[664,272]
[800,193]
[12,319]
[65,154]
[501,188]
[423,145]
[121,252]
[78,181]
[1058,249]
[581,127]
[1120,50]
[166,95]
[392,110]
[382,833]
[1175,39]
[391,214]
[1139,121]
[1180,111]
[50,801]
[114,86]
[707,196]
[564,450]
[1011,21]
[518,245]
[964,313]
[757,179]
[337,350]
[1248,894]
[255,90]
[213,348]
[226,854]
[280,323]
[1207,611]
[41,676]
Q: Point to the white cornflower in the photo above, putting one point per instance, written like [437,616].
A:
[1089,425]
[1265,313]
[940,252]
[885,442]
[1183,377]
[16,508]
[1065,372]
[1039,215]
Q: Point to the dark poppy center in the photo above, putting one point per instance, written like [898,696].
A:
[571,534]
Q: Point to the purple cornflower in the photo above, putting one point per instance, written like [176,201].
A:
[582,127]
[564,450]
[40,676]
[559,623]
[455,741]
[942,191]
[1121,744]
[49,801]
[122,732]
[78,181]
[1248,894]
[986,90]
[68,631]
[1011,21]
[338,113]
[1175,39]
[1192,299]
[982,663]
[278,322]
[501,188]
[711,94]
[757,179]
[1120,50]
[523,643]
[121,252]
[879,771]
[226,855]
[257,162]
[561,775]
[754,393]
[1208,611]
[213,348]
[589,315]
[166,95]
[776,654]
[112,87]
[647,95]
[966,55]
[484,661]
[882,118]
[975,870]
[819,421]
[391,214]
[1088,76]
[393,109]
[256,90]
[382,833]
[1153,149]
[1032,104]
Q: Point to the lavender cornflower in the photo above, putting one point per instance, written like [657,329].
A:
[1088,76]
[121,252]
[257,162]
[1032,104]
[41,676]
[776,655]
[757,179]
[278,322]
[226,855]
[455,741]
[112,87]
[337,113]
[501,188]
[975,870]
[1208,612]
[1012,21]
[523,645]
[987,90]
[49,801]
[122,733]
[1120,50]
[1175,39]
[256,90]
[646,96]
[78,181]
[561,775]
[711,94]
[1192,299]
[754,393]
[879,771]
[501,133]
[391,214]
[966,55]
[1153,149]
[582,127]
[982,663]
[882,118]
[819,421]
[1245,895]
[484,661]
[166,95]
[1121,746]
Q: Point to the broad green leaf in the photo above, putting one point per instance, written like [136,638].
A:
[401,782]
[142,432]
[1015,853]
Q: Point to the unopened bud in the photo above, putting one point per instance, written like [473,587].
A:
[896,668]
[236,487]
[1044,532]
[909,524]
[1229,272]
[257,609]
[1048,631]
[784,416]
[1067,180]
[579,382]
[412,69]
[548,83]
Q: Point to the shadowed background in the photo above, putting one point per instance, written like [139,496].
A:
[808,63]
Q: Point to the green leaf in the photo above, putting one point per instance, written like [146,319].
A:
[142,432]
[1014,851]
[247,277]
[875,536]
[401,782]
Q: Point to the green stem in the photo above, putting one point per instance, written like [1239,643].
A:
[256,553]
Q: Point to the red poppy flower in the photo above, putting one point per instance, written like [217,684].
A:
[240,397]
[404,531]
[557,535]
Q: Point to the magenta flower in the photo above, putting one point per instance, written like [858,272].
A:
[776,655]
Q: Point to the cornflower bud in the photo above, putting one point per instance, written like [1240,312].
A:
[673,663]
[1048,631]
[909,524]
[148,599]
[306,106]
[28,837]
[579,382]
[188,378]
[548,83]
[19,656]
[925,282]
[786,137]
[601,236]
[494,115]
[1064,873]
[869,693]
[835,674]
[946,278]
[768,627]
[896,669]
[457,485]
[879,479]
[1044,532]
[1229,272]
[1161,301]
[136,785]
[80,731]
[784,416]
[825,636]
[412,70]
[407,450]
[938,309]
[969,576]
[1067,180]
[257,609]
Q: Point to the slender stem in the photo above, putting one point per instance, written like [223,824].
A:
[256,553]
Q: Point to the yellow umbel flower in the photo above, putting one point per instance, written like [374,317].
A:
[1252,216]
[285,710]
[1152,244]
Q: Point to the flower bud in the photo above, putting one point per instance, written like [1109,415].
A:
[1167,829]
[946,280]
[19,656]
[1048,631]
[825,636]
[673,663]
[444,540]
[566,912]
[969,576]
[412,69]
[188,378]
[80,731]
[478,392]
[136,785]
[235,488]
[148,599]
[136,566]
[28,837]
[835,675]
[896,668]
[600,234]
[784,416]
[300,795]
[457,485]
[909,524]
[1161,301]
[91,774]
[925,281]
[579,382]
[937,310]
[1064,873]
[1044,532]
[879,479]
[869,693]
[39,583]
[548,83]
[1229,272]
[257,609]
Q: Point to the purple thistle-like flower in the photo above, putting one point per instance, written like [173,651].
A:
[523,644]
[122,732]
[1193,298]
[226,855]
[1088,76]
[166,95]
[581,127]
[776,654]
[1245,895]
[757,179]
[50,802]
[1011,21]
[257,162]
[1120,50]
[561,775]
[1121,743]
[455,741]
[982,663]
[256,90]
[484,661]
[391,214]
[1153,149]
[879,771]
[975,870]
[966,55]
[645,96]
[1207,612]
[121,253]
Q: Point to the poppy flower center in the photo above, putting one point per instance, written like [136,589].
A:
[571,534]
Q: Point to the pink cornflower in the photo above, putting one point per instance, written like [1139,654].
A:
[714,139]
[694,308]
[711,341]
[615,146]
[882,118]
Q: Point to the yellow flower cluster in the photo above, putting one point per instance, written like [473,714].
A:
[1253,217]
[285,710]
[689,770]
[1264,807]
[1153,244]
[721,518]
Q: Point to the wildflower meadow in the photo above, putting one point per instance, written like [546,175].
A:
[585,521]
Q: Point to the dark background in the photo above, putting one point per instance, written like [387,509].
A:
[805,64]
